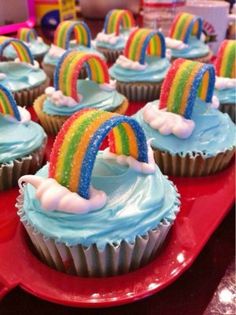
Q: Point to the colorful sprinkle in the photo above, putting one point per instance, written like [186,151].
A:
[20,47]
[186,25]
[225,63]
[117,19]
[185,81]
[76,146]
[68,69]
[65,31]
[27,34]
[144,41]
[8,105]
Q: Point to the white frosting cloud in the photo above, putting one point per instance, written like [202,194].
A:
[111,86]
[215,103]
[53,196]
[140,167]
[108,38]
[24,115]
[175,43]
[168,123]
[56,51]
[130,64]
[225,83]
[2,76]
[35,66]
[59,99]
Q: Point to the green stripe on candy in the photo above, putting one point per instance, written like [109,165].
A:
[134,43]
[231,59]
[74,144]
[62,37]
[181,26]
[4,103]
[124,139]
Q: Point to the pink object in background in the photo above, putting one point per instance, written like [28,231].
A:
[11,12]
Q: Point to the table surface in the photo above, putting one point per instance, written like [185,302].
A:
[190,294]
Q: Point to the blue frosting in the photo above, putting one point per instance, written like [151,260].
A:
[18,140]
[136,203]
[214,132]
[120,44]
[37,49]
[92,96]
[155,71]
[21,76]
[52,60]
[195,49]
[226,96]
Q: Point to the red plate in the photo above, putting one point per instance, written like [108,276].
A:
[205,202]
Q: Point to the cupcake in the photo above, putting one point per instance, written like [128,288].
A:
[22,77]
[63,41]
[71,94]
[117,27]
[140,71]
[98,213]
[185,39]
[225,86]
[190,136]
[35,43]
[22,141]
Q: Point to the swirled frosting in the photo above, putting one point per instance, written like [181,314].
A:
[113,42]
[37,48]
[135,204]
[52,57]
[195,49]
[92,95]
[18,139]
[19,76]
[214,132]
[155,71]
[225,90]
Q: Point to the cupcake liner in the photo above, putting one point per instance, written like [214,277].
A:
[26,97]
[12,171]
[49,69]
[139,91]
[110,55]
[230,109]
[204,59]
[194,165]
[53,123]
[91,261]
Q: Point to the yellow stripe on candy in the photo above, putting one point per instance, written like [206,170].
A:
[133,149]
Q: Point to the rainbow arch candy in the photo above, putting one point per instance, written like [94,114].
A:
[185,81]
[8,105]
[27,34]
[225,63]
[75,148]
[20,47]
[185,25]
[142,41]
[68,68]
[65,30]
[117,18]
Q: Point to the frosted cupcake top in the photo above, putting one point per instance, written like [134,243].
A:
[19,136]
[85,196]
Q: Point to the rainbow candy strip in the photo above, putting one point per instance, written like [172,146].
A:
[68,68]
[115,19]
[8,105]
[66,29]
[27,34]
[185,25]
[20,47]
[225,63]
[144,41]
[75,148]
[185,81]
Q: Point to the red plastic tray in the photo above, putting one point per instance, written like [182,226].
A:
[205,202]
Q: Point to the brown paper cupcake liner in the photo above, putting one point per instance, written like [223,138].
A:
[49,69]
[204,59]
[230,109]
[91,261]
[110,55]
[11,172]
[139,91]
[26,97]
[192,165]
[53,123]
